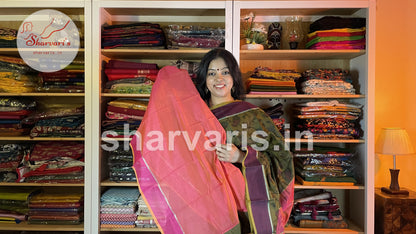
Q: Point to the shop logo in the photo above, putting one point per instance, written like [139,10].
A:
[48,40]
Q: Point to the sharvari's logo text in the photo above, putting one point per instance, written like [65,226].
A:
[48,40]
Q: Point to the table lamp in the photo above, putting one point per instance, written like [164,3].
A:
[394,141]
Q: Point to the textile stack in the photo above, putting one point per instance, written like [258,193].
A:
[136,35]
[16,76]
[264,80]
[130,77]
[57,120]
[10,157]
[326,82]
[120,162]
[328,119]
[337,33]
[70,79]
[324,166]
[118,207]
[276,114]
[53,162]
[123,117]
[14,203]
[144,217]
[63,208]
[8,37]
[12,113]
[317,208]
[180,36]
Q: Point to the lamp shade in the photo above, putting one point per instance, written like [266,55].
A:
[394,141]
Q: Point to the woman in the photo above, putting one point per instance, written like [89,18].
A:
[254,144]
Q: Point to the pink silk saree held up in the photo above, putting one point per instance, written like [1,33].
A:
[186,187]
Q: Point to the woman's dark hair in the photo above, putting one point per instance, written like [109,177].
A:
[237,92]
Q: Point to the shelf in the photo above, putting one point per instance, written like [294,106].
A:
[42,94]
[352,229]
[119,184]
[23,226]
[303,96]
[27,138]
[129,95]
[299,54]
[131,53]
[294,140]
[42,184]
[15,51]
[353,187]
[130,229]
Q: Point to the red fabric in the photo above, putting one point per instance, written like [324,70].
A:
[187,190]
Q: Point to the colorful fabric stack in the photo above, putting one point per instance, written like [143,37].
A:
[123,117]
[324,166]
[10,157]
[276,114]
[71,79]
[53,162]
[57,121]
[120,162]
[118,207]
[317,208]
[330,32]
[144,217]
[14,203]
[133,35]
[326,82]
[66,207]
[328,120]
[8,38]
[130,77]
[275,82]
[190,66]
[12,113]
[180,36]
[16,76]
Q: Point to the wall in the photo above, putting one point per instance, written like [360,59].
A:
[395,94]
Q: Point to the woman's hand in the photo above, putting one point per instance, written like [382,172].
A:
[229,153]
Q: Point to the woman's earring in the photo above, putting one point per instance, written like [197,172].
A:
[206,90]
[232,89]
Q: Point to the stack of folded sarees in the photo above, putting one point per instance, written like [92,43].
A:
[118,207]
[70,79]
[326,82]
[10,157]
[53,162]
[57,207]
[14,203]
[275,112]
[12,113]
[331,32]
[57,120]
[120,162]
[16,76]
[328,119]
[180,36]
[130,77]
[268,81]
[8,37]
[324,166]
[144,217]
[123,117]
[138,35]
[317,208]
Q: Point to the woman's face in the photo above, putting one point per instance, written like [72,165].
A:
[219,81]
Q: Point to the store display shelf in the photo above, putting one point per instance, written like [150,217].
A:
[42,184]
[15,52]
[125,95]
[23,226]
[300,54]
[352,187]
[42,94]
[351,229]
[130,229]
[294,140]
[132,53]
[304,96]
[118,184]
[28,138]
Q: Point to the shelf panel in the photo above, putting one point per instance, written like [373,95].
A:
[303,96]
[129,95]
[118,184]
[299,54]
[130,229]
[42,94]
[294,140]
[27,138]
[23,226]
[42,184]
[354,187]
[352,229]
[162,54]
[15,51]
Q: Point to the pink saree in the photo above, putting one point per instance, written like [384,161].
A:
[186,187]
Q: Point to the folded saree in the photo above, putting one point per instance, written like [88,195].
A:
[186,189]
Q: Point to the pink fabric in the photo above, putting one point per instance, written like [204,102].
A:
[187,190]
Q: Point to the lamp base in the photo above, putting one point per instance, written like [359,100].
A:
[395,192]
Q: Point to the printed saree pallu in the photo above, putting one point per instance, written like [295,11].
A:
[187,189]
